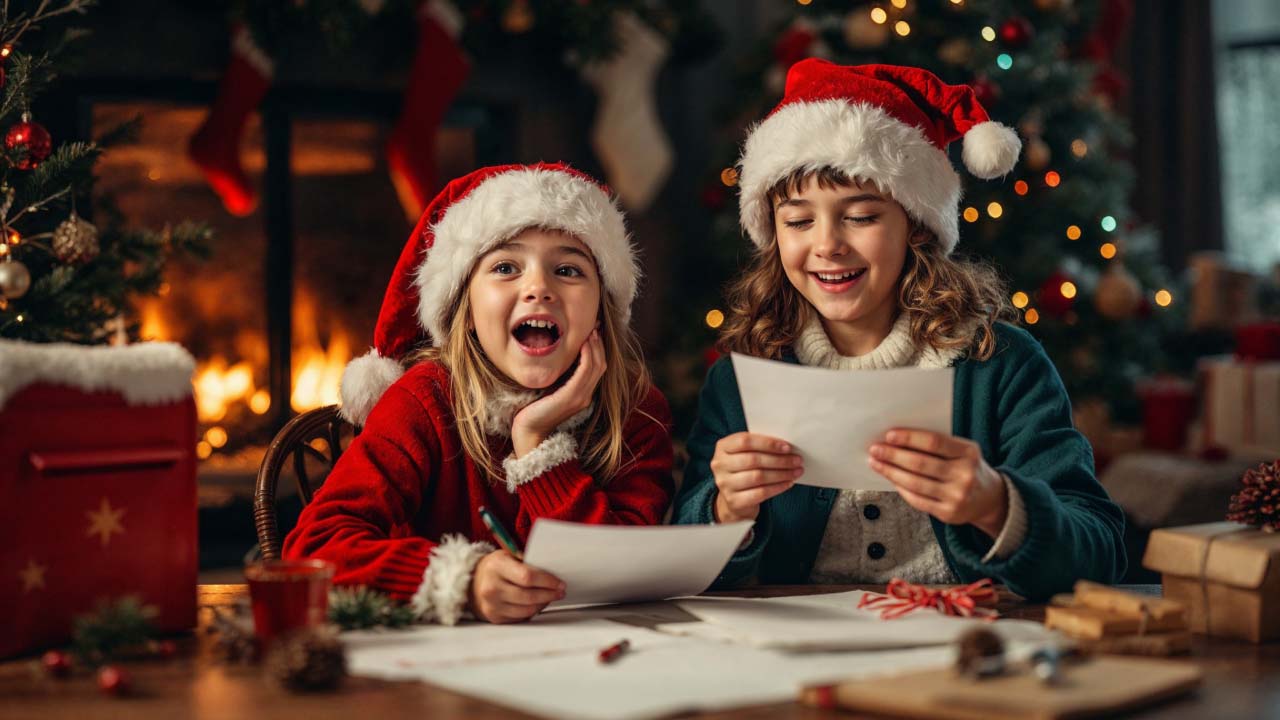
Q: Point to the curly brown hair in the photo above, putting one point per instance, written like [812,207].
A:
[944,297]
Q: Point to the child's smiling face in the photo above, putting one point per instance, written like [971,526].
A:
[534,301]
[843,247]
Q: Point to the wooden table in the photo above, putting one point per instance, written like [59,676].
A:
[1241,681]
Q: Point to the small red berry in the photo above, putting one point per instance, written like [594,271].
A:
[166,648]
[113,680]
[57,663]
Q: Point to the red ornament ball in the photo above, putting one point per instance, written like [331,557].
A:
[56,663]
[984,90]
[1016,32]
[793,46]
[113,680]
[713,196]
[32,141]
[165,648]
[1052,300]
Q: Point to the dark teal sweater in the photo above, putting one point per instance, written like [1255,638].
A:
[1015,407]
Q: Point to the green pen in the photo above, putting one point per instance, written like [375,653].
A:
[500,534]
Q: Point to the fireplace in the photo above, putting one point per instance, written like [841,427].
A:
[291,292]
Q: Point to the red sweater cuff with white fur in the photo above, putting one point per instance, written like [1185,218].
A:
[446,582]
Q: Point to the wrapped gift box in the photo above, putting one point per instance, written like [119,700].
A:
[1227,574]
[98,486]
[1240,401]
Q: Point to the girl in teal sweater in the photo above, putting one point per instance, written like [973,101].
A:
[852,203]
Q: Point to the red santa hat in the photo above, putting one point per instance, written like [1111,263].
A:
[471,216]
[887,124]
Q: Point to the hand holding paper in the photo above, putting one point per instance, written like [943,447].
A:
[831,417]
[505,590]
[749,469]
[944,476]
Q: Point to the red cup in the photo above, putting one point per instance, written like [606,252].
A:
[287,595]
[1168,407]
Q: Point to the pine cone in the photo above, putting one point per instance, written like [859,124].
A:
[308,659]
[979,653]
[1258,501]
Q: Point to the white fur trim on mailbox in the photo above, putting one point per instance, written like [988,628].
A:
[557,449]
[990,150]
[862,141]
[442,596]
[151,373]
[363,382]
[501,207]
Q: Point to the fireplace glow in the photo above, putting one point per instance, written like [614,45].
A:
[317,372]
[225,384]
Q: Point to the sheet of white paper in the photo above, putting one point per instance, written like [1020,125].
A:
[549,666]
[831,417]
[408,653]
[671,678]
[679,676]
[834,622]
[615,563]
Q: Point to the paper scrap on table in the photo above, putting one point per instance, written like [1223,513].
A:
[624,563]
[833,622]
[831,417]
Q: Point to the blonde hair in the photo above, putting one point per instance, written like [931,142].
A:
[942,296]
[473,378]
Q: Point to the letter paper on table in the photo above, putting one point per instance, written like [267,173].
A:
[618,563]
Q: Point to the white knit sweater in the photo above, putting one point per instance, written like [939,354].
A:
[910,549]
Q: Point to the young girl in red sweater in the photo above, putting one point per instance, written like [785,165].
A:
[510,308]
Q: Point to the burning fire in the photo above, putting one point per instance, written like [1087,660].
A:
[220,383]
[317,372]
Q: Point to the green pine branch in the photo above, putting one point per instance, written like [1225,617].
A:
[115,628]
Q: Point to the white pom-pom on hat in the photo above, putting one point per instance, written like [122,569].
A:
[363,382]
[990,149]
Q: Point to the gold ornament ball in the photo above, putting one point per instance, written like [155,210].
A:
[956,51]
[860,31]
[1038,154]
[15,279]
[775,79]
[518,18]
[1052,5]
[1118,293]
[1031,125]
[75,240]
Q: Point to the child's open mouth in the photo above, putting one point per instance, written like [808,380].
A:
[537,335]
[838,281]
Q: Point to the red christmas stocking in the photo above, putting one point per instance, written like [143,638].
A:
[215,147]
[438,72]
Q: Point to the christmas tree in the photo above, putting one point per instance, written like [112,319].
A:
[1083,273]
[62,277]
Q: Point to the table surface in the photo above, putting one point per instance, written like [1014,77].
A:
[1241,680]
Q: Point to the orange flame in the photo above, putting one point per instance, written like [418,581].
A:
[219,383]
